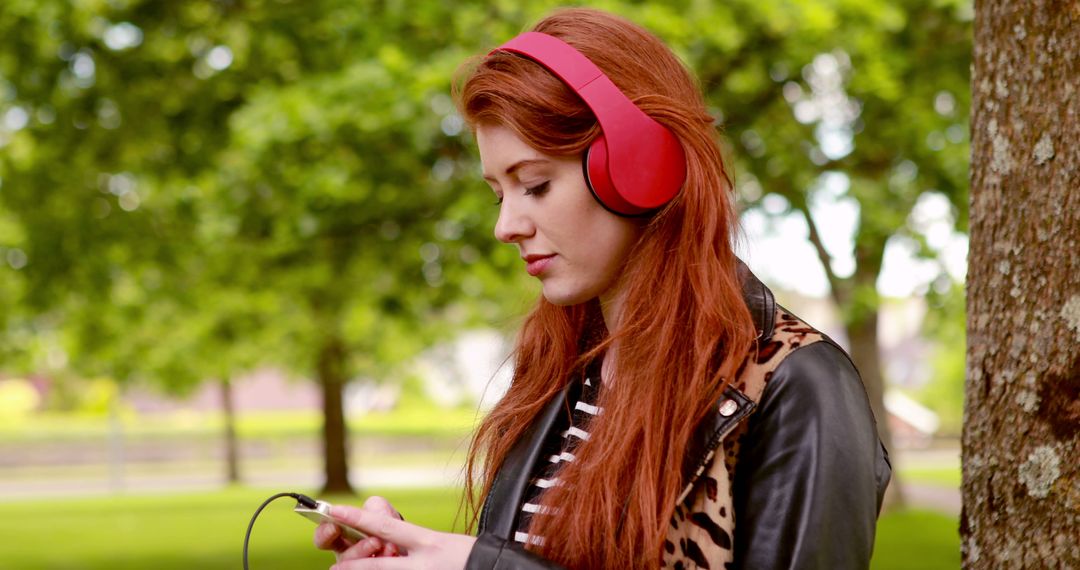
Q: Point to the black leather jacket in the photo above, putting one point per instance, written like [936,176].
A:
[809,479]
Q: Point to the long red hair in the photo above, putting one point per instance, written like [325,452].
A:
[684,326]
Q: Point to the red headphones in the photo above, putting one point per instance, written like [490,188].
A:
[637,164]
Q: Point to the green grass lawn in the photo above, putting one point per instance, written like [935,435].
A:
[940,476]
[182,531]
[917,540]
[206,531]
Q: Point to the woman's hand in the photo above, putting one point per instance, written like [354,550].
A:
[419,547]
[328,536]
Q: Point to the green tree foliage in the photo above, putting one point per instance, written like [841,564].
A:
[12,258]
[197,187]
[209,185]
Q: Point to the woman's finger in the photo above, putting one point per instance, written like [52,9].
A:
[380,505]
[325,535]
[328,537]
[391,549]
[370,546]
[383,526]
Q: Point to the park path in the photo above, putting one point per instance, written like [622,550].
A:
[381,478]
[922,495]
[937,498]
[919,495]
[932,497]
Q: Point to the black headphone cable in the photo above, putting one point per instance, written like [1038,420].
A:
[300,499]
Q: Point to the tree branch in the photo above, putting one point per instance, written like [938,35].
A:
[839,295]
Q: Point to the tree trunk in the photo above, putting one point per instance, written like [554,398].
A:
[232,452]
[117,453]
[858,300]
[863,337]
[331,370]
[1021,483]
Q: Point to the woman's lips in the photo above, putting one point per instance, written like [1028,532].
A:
[536,264]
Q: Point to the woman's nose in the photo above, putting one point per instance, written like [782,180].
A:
[513,225]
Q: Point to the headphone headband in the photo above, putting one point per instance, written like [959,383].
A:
[637,165]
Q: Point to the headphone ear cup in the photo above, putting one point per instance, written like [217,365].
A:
[595,166]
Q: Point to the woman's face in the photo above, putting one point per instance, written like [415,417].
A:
[568,241]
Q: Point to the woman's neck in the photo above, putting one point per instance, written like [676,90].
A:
[611,304]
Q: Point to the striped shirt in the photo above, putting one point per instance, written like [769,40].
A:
[559,450]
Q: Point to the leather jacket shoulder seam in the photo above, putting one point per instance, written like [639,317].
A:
[775,383]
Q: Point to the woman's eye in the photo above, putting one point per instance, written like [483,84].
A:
[537,190]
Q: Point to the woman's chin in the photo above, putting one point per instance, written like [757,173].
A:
[563,297]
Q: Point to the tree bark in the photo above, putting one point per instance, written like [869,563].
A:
[331,371]
[232,451]
[1021,454]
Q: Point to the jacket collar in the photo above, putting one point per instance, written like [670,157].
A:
[759,299]
[733,405]
[500,512]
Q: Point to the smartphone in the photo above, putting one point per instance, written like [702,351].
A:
[321,514]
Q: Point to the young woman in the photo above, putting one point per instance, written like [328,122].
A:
[665,411]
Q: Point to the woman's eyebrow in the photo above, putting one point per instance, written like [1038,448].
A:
[516,166]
